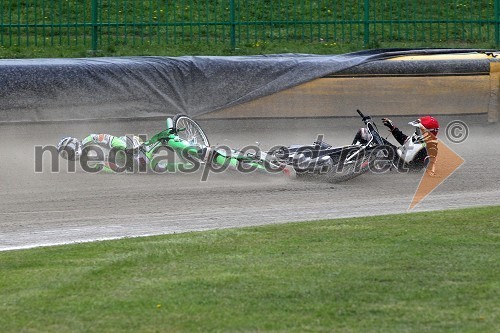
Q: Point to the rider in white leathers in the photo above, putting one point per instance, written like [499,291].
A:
[416,151]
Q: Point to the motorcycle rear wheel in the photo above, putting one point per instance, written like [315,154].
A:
[343,169]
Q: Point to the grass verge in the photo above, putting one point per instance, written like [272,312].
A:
[71,28]
[423,272]
[216,50]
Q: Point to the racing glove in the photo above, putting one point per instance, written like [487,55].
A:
[388,123]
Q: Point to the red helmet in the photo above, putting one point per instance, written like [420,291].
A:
[430,123]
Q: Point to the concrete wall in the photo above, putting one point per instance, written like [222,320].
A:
[494,103]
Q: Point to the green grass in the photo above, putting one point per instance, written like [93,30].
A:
[425,272]
[213,50]
[42,28]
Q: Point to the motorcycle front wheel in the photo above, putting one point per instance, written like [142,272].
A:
[189,130]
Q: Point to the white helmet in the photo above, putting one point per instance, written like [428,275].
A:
[72,148]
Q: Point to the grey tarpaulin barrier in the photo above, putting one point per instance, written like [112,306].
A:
[136,87]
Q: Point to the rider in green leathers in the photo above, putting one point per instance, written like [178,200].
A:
[123,153]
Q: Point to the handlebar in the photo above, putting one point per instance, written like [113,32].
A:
[371,127]
[365,118]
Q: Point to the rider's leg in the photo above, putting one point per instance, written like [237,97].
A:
[392,153]
[362,137]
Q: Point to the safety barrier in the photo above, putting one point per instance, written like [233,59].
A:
[391,82]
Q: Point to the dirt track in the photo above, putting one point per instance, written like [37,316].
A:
[54,208]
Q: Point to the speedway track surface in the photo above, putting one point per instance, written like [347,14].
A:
[56,208]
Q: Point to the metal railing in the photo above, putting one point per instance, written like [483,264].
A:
[112,23]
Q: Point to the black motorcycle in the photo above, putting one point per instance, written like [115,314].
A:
[337,164]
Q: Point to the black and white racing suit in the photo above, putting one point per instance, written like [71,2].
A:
[416,152]
[426,155]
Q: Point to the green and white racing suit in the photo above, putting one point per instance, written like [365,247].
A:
[118,142]
[129,153]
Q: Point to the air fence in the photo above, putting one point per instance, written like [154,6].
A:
[391,82]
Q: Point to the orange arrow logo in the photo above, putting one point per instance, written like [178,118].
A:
[444,165]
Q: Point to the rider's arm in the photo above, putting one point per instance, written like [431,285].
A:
[399,136]
[396,132]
